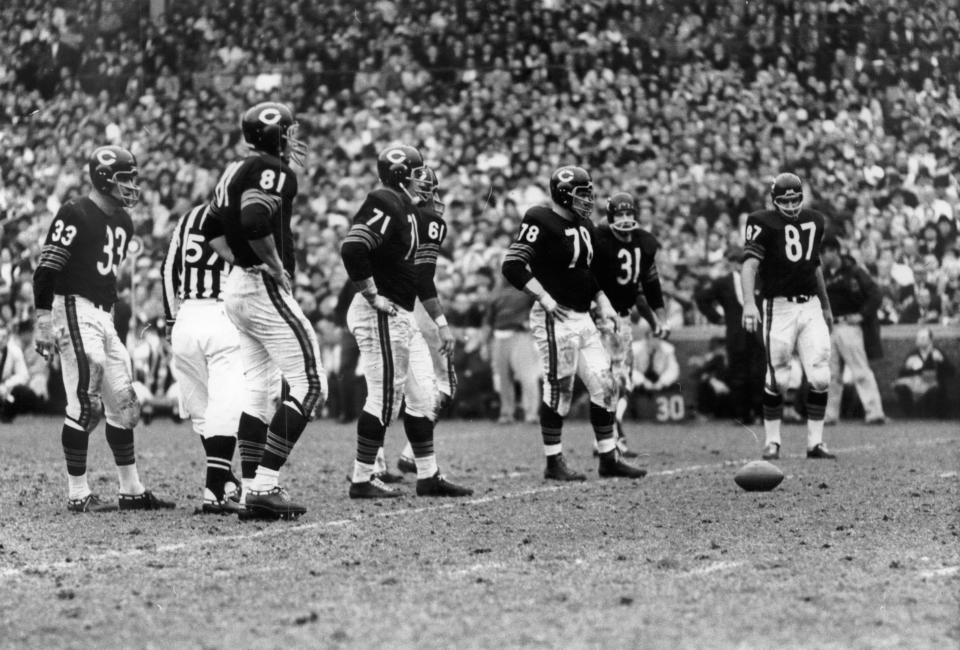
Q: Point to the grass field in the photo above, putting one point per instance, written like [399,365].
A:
[863,552]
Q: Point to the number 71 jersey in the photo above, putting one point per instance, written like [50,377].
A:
[88,245]
[788,250]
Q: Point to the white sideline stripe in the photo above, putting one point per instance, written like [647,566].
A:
[939,573]
[713,567]
[284,529]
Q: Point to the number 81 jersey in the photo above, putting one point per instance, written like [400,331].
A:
[87,245]
[788,250]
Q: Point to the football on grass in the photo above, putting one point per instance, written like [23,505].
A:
[758,476]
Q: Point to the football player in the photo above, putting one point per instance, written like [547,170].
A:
[206,353]
[392,267]
[551,260]
[252,207]
[782,262]
[75,288]
[626,270]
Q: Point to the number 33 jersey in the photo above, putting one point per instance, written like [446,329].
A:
[86,245]
[788,250]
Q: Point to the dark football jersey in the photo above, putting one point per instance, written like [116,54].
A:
[621,266]
[559,254]
[191,270]
[271,176]
[431,231]
[788,250]
[86,246]
[386,224]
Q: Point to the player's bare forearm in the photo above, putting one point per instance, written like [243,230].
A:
[433,307]
[748,279]
[219,244]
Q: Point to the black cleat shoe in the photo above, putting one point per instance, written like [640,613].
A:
[271,504]
[146,501]
[771,451]
[229,504]
[820,451]
[389,477]
[407,465]
[557,470]
[90,503]
[373,489]
[611,466]
[438,486]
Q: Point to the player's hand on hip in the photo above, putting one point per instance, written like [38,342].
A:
[447,340]
[559,312]
[751,317]
[280,276]
[43,339]
[385,305]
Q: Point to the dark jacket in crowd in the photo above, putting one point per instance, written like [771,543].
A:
[851,290]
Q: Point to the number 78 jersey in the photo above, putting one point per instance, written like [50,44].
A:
[788,250]
[560,255]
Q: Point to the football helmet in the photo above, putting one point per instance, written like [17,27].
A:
[270,127]
[426,175]
[622,213]
[113,171]
[571,188]
[401,167]
[787,194]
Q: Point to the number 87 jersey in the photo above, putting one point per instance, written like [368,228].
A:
[788,249]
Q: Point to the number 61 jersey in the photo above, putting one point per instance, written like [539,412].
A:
[788,250]
[86,245]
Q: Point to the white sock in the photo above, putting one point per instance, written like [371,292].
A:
[130,480]
[426,466]
[362,472]
[607,444]
[77,485]
[265,480]
[552,450]
[814,433]
[407,451]
[772,429]
[380,464]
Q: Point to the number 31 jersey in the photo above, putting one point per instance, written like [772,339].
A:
[788,250]
[621,266]
[87,245]
[559,254]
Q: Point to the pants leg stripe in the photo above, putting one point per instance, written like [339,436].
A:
[83,364]
[386,355]
[552,363]
[451,376]
[767,326]
[303,340]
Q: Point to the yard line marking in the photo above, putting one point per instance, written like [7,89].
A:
[939,573]
[713,567]
[296,528]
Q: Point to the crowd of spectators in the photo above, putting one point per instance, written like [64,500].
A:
[690,105]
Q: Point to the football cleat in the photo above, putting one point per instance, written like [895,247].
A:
[389,477]
[90,503]
[373,489]
[146,501]
[611,466]
[820,451]
[771,451]
[229,504]
[438,486]
[558,470]
[407,465]
[877,421]
[271,504]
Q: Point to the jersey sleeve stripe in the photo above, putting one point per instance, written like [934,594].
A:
[754,249]
[256,197]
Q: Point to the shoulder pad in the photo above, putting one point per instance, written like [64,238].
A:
[538,214]
[388,198]
[648,242]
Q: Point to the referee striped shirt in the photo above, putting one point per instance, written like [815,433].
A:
[191,270]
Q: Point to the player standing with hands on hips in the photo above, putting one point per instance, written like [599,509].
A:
[74,289]
[552,260]
[783,251]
